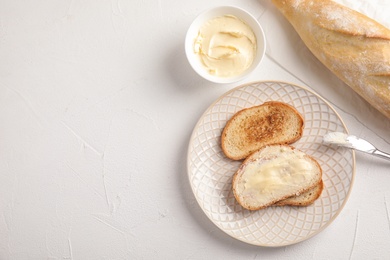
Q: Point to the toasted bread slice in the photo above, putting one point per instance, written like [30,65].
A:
[250,129]
[303,199]
[274,173]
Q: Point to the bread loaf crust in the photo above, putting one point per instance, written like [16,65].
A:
[353,46]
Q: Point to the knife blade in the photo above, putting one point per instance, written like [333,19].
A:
[353,142]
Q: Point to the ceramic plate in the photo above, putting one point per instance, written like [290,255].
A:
[210,172]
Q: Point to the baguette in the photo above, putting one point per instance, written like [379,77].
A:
[252,128]
[351,45]
[274,173]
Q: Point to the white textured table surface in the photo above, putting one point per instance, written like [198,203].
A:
[97,105]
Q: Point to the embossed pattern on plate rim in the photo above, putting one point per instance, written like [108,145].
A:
[256,242]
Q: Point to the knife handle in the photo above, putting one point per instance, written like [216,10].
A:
[381,154]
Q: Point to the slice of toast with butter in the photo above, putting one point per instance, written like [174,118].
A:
[275,173]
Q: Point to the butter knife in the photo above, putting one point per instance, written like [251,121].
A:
[353,142]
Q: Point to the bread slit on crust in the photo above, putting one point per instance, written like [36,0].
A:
[351,45]
[275,173]
[250,129]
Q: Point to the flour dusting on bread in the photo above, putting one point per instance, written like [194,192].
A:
[353,46]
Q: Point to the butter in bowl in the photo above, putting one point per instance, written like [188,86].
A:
[225,44]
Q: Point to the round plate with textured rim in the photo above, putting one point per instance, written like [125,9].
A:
[210,172]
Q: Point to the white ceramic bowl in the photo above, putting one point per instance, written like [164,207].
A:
[205,16]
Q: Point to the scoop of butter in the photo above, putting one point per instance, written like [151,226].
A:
[226,46]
